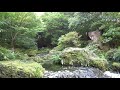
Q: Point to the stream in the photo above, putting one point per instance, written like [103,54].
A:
[72,72]
[57,71]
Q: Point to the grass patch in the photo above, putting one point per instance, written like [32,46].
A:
[20,69]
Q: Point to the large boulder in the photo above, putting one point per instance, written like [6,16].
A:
[94,35]
[82,57]
[20,69]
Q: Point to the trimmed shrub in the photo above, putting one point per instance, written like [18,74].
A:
[93,47]
[82,57]
[6,54]
[115,66]
[36,59]
[31,52]
[20,69]
[113,55]
[101,64]
[70,39]
[53,57]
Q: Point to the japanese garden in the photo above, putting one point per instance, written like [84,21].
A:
[59,44]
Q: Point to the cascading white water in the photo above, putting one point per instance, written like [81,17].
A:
[111,75]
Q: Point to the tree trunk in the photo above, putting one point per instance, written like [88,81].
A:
[13,41]
[12,45]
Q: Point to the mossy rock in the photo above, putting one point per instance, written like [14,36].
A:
[82,57]
[101,64]
[71,56]
[115,66]
[20,69]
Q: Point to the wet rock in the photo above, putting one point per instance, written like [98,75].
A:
[111,75]
[76,72]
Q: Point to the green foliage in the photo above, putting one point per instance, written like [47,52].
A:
[31,52]
[82,57]
[112,36]
[44,50]
[113,55]
[101,64]
[93,47]
[56,24]
[56,59]
[18,29]
[70,39]
[53,57]
[116,66]
[21,56]
[106,22]
[116,56]
[36,59]
[19,69]
[84,43]
[6,54]
[71,57]
[1,56]
[82,21]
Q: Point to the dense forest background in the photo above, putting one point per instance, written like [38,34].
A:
[23,35]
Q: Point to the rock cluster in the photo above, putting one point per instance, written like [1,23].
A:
[78,72]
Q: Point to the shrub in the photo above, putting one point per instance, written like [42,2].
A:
[84,43]
[70,39]
[71,56]
[21,56]
[101,64]
[56,59]
[20,69]
[31,52]
[2,56]
[36,59]
[116,66]
[53,57]
[6,54]
[93,47]
[82,57]
[113,55]
[116,56]
[43,50]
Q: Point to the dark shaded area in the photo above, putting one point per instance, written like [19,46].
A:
[43,41]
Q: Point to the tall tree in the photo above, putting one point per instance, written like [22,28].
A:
[17,26]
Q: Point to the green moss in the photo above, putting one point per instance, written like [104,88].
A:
[31,52]
[20,69]
[113,55]
[75,56]
[82,57]
[101,64]
[36,59]
[116,66]
[71,58]
[6,54]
